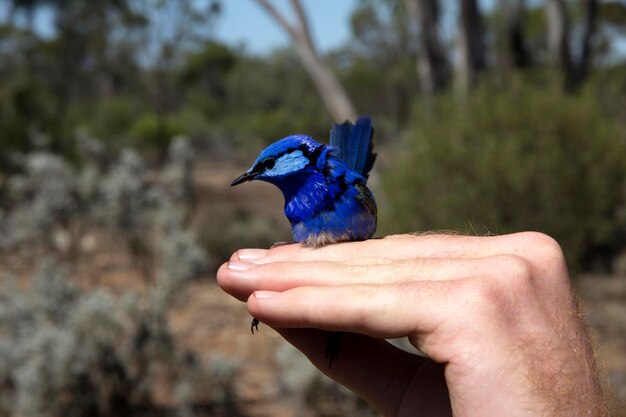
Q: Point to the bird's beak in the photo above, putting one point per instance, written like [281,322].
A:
[246,176]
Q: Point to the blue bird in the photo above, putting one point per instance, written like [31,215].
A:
[326,197]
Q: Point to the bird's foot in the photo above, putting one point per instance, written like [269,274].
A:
[332,348]
[254,325]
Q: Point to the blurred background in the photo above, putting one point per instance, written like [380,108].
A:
[123,122]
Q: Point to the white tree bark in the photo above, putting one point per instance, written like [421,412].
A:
[332,93]
[558,34]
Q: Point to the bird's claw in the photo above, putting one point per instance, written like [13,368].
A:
[254,325]
[332,348]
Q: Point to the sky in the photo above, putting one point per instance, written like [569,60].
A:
[243,22]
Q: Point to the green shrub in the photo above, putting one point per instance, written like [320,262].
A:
[110,118]
[527,158]
[25,113]
[154,132]
[272,98]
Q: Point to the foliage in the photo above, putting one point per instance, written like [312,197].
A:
[152,130]
[25,108]
[100,60]
[378,65]
[67,351]
[43,199]
[228,230]
[207,69]
[519,159]
[122,197]
[268,97]
[110,118]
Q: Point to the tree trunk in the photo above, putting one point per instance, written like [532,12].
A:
[332,93]
[582,69]
[432,62]
[471,43]
[559,47]
[558,32]
[516,50]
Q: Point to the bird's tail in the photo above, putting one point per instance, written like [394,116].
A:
[355,144]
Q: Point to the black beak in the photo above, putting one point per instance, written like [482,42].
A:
[246,176]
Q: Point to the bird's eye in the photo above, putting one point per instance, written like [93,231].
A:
[268,163]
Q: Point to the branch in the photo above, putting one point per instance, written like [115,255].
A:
[279,18]
[330,90]
[304,24]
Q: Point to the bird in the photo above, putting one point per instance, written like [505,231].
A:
[326,197]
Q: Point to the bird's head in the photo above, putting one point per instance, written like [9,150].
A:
[283,159]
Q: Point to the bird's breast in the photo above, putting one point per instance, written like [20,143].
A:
[306,197]
[345,216]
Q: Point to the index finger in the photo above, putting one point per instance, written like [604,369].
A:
[391,247]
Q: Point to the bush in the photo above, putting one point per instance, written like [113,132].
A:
[110,118]
[72,352]
[151,131]
[226,230]
[52,206]
[284,100]
[528,158]
[43,199]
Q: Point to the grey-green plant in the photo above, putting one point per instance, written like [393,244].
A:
[70,351]
[67,350]
[177,176]
[42,200]
[181,256]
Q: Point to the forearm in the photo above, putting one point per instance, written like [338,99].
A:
[565,375]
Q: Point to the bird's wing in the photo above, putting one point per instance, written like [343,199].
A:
[366,198]
[354,143]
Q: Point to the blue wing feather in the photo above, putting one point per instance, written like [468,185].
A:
[355,144]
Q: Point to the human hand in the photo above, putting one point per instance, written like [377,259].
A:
[495,316]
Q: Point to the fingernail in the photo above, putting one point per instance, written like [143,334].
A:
[264,294]
[251,254]
[240,266]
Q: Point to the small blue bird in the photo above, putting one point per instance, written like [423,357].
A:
[326,199]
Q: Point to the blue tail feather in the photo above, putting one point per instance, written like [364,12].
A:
[339,138]
[355,144]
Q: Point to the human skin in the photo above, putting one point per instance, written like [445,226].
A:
[495,316]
